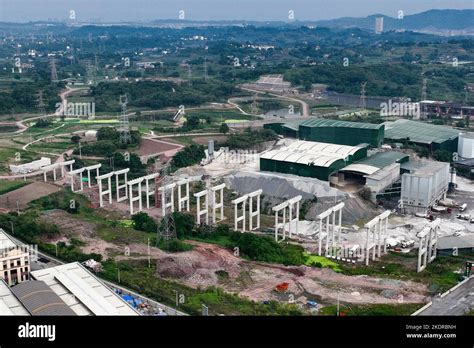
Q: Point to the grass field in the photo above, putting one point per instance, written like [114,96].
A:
[321,261]
[8,186]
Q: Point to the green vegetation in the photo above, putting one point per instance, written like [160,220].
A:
[251,246]
[439,275]
[224,128]
[43,123]
[174,246]
[372,310]
[190,155]
[19,96]
[108,142]
[442,156]
[321,262]
[31,230]
[160,94]
[249,138]
[143,222]
[8,186]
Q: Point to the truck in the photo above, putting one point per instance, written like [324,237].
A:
[426,216]
[447,202]
[439,209]
[407,243]
[465,217]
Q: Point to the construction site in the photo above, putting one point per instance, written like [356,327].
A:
[296,192]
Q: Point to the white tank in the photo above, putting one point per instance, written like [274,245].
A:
[466,145]
[453,175]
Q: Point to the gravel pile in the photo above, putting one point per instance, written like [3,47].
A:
[281,185]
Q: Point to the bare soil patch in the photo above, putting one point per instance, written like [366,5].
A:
[206,263]
[26,194]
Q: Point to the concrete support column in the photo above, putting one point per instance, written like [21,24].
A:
[242,201]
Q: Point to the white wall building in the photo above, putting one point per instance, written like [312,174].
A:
[424,184]
[14,261]
[466,145]
[383,178]
[379,25]
[31,166]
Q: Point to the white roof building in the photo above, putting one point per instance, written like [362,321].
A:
[83,292]
[9,303]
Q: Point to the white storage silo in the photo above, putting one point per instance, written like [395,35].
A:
[466,145]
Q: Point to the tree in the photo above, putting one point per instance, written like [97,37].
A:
[107,133]
[192,122]
[224,128]
[75,139]
[143,222]
[184,224]
[442,156]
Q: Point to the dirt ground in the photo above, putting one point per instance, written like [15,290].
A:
[26,194]
[203,140]
[149,147]
[257,281]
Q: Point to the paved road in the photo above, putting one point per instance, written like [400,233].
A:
[306,111]
[457,302]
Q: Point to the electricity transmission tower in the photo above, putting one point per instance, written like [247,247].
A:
[254,105]
[363,98]
[40,106]
[54,72]
[125,137]
[88,72]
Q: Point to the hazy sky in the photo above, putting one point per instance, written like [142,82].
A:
[145,10]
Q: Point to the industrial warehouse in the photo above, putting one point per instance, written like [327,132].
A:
[206,158]
[418,184]
[422,134]
[312,159]
[332,131]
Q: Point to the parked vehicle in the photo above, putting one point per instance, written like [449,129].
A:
[407,243]
[465,217]
[463,207]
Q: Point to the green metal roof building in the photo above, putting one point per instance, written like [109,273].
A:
[311,159]
[342,132]
[372,164]
[331,131]
[419,133]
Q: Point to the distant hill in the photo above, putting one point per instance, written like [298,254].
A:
[432,19]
